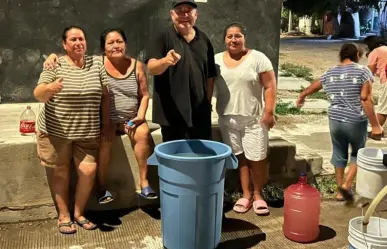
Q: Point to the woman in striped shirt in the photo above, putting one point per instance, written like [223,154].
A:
[348,86]
[129,99]
[69,124]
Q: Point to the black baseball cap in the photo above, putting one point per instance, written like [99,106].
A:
[176,3]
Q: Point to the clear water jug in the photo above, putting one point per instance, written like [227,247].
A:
[302,211]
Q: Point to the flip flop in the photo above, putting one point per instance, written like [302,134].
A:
[148,193]
[242,205]
[106,198]
[66,224]
[261,208]
[347,194]
[84,222]
[376,137]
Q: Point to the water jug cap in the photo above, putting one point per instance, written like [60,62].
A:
[302,174]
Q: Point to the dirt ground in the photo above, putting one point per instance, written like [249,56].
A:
[316,53]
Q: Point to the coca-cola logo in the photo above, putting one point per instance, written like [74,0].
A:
[27,126]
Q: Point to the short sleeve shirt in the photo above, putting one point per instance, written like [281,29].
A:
[74,112]
[378,57]
[343,85]
[179,94]
[239,90]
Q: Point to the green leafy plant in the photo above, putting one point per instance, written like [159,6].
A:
[298,71]
[285,108]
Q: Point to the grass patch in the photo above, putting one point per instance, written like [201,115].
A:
[298,71]
[326,185]
[286,74]
[285,108]
[317,95]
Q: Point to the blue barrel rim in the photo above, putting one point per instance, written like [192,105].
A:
[167,156]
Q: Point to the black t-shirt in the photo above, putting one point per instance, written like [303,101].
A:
[180,93]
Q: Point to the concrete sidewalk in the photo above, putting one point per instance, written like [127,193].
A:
[138,230]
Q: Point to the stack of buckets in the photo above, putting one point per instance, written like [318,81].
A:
[371,179]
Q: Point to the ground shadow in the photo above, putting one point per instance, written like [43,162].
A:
[326,233]
[107,220]
[232,228]
[153,211]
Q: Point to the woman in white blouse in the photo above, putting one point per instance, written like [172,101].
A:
[245,76]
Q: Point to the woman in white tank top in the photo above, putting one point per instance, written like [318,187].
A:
[244,121]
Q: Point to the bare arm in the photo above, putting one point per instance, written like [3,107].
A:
[368,103]
[144,93]
[313,88]
[157,67]
[372,68]
[44,91]
[270,85]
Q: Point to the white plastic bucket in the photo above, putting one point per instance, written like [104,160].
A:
[375,238]
[371,174]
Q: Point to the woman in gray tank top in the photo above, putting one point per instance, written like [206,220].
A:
[129,99]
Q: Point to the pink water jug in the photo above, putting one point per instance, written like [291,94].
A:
[302,211]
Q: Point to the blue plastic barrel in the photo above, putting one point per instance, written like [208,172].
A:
[191,191]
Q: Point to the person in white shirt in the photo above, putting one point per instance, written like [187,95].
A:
[245,76]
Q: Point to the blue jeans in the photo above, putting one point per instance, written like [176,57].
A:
[345,134]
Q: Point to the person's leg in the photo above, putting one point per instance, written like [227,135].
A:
[340,146]
[381,119]
[85,155]
[255,143]
[244,175]
[232,137]
[381,110]
[104,156]
[357,138]
[143,146]
[56,153]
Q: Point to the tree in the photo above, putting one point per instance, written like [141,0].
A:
[310,7]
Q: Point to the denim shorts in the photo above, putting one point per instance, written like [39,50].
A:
[344,134]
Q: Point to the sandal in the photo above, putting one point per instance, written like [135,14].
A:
[106,197]
[66,224]
[376,137]
[347,194]
[148,193]
[242,205]
[84,222]
[261,208]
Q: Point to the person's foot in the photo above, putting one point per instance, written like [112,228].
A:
[340,197]
[260,206]
[66,225]
[105,197]
[85,223]
[144,183]
[346,192]
[258,196]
